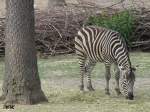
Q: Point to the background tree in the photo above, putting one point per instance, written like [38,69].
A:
[21,81]
[55,3]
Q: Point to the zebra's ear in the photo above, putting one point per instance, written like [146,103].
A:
[133,68]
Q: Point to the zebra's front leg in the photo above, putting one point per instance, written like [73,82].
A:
[117,76]
[82,72]
[107,77]
[89,67]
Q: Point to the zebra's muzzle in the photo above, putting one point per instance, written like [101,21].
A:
[130,96]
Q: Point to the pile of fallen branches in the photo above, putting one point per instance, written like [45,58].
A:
[56,29]
[141,35]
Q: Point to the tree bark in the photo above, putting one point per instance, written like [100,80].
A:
[21,80]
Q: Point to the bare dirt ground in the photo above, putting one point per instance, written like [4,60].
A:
[42,4]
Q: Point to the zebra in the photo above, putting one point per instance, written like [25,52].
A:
[97,44]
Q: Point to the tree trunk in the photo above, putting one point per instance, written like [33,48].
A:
[21,81]
[56,3]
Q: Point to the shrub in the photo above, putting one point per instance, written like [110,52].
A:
[122,22]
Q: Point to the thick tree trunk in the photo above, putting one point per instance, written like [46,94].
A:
[21,81]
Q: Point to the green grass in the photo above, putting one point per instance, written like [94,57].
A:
[67,66]
[142,60]
[72,100]
[58,66]
[60,80]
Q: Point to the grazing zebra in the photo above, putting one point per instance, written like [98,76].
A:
[96,44]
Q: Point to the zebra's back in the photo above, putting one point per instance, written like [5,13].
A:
[97,43]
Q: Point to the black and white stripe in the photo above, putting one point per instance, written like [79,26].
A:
[97,44]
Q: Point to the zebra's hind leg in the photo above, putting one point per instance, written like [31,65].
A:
[89,67]
[117,76]
[107,77]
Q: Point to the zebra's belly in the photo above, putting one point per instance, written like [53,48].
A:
[101,57]
[97,54]
[108,61]
[96,57]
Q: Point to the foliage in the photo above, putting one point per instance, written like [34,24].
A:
[122,22]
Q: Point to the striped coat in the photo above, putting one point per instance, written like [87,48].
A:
[97,44]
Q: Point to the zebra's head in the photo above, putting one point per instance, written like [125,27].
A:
[127,78]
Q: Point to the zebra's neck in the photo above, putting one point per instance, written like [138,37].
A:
[124,61]
[121,55]
[120,52]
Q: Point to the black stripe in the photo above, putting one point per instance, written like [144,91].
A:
[76,43]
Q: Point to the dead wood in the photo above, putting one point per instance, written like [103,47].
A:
[56,29]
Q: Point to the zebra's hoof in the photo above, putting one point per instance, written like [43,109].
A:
[118,91]
[90,88]
[81,87]
[107,92]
